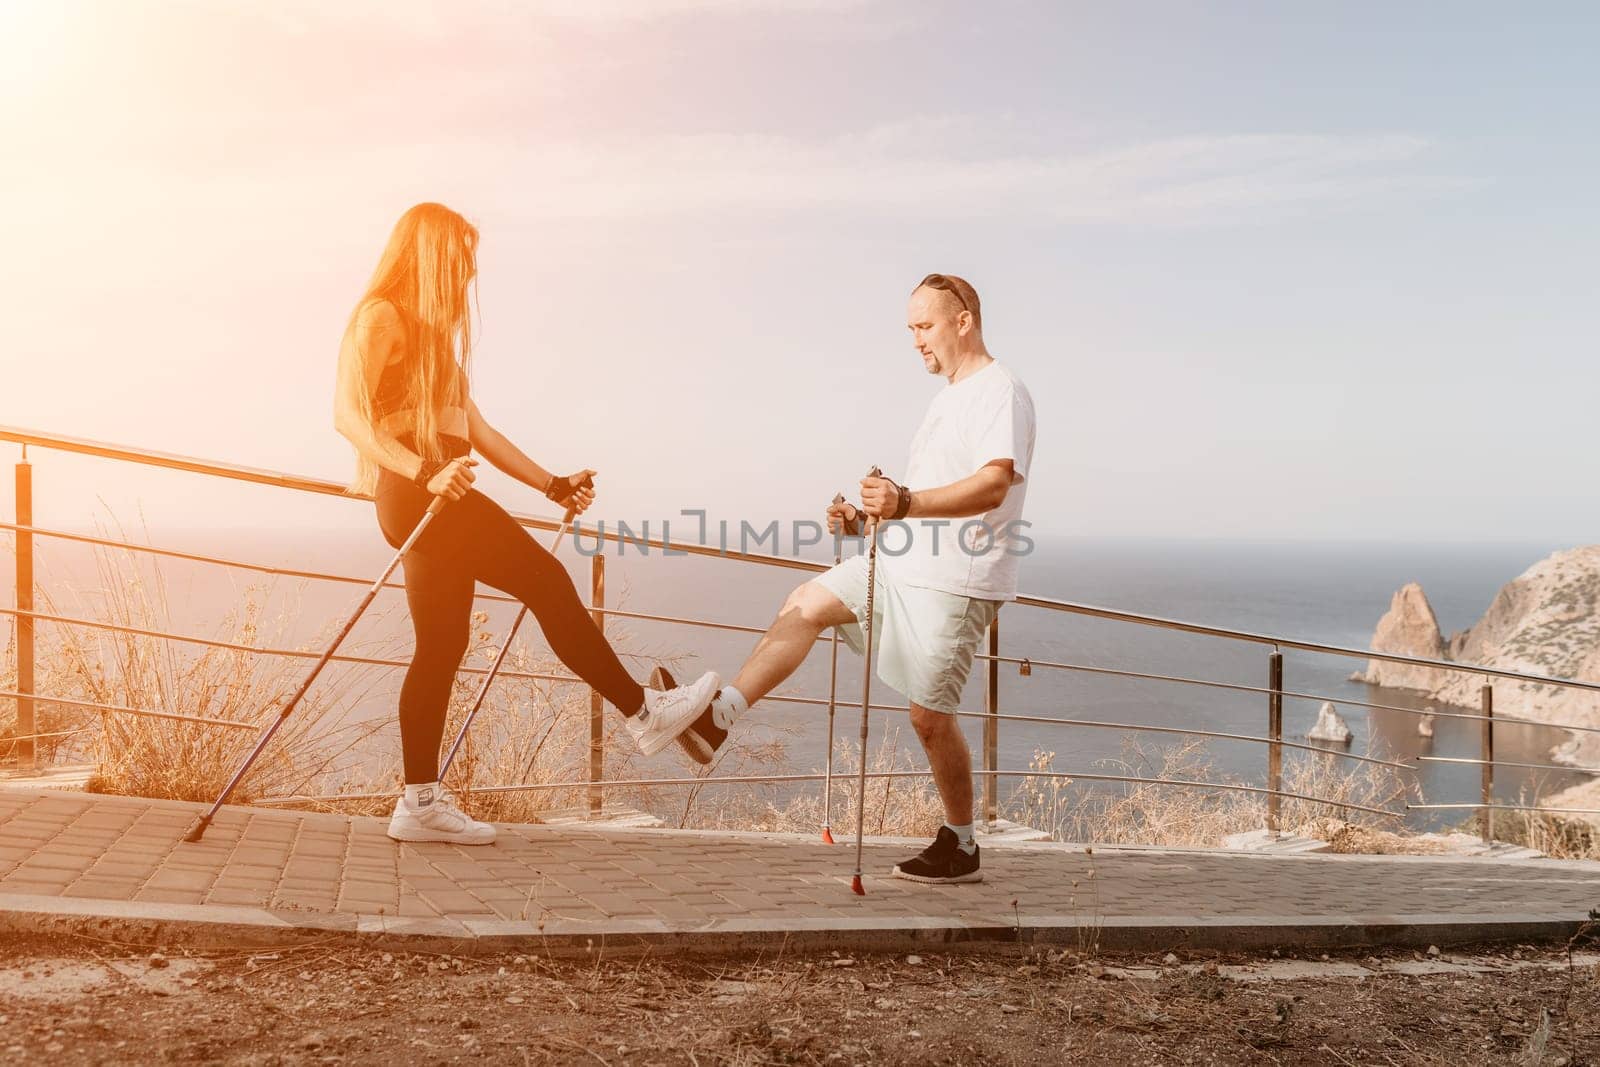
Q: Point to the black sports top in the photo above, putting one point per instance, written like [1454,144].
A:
[390,396]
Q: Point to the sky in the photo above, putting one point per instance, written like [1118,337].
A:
[1318,271]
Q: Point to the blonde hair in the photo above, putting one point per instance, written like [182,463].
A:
[426,273]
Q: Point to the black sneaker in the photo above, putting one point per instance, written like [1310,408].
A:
[703,737]
[942,863]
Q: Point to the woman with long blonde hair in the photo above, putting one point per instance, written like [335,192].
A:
[404,401]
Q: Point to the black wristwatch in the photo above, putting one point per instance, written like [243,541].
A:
[903,507]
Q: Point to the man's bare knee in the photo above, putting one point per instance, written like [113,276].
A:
[931,726]
[813,604]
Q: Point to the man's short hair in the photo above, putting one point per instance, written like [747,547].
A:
[959,288]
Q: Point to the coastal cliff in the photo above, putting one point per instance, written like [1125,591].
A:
[1544,621]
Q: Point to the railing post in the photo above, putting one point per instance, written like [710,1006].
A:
[597,739]
[1275,732]
[991,729]
[1486,814]
[25,718]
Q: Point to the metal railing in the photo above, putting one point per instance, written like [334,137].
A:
[595,781]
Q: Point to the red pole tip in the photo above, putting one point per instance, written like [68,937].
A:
[856,887]
[827,836]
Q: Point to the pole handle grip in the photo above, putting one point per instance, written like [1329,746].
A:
[868,522]
[438,505]
[572,512]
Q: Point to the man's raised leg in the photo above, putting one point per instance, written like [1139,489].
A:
[805,614]
[809,610]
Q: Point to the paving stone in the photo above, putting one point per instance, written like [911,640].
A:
[48,859]
[239,897]
[312,867]
[171,878]
[103,888]
[169,896]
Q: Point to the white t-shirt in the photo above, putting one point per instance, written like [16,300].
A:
[982,418]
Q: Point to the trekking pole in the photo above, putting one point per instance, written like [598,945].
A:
[833,688]
[866,693]
[198,830]
[505,646]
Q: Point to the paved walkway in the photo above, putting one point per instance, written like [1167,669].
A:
[119,864]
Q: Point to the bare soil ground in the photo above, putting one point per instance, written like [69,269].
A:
[72,1000]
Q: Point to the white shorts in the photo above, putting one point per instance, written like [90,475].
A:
[924,638]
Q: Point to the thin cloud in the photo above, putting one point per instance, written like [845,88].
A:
[893,173]
[428,17]
[887,174]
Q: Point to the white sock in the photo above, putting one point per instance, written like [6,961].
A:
[728,706]
[964,838]
[421,795]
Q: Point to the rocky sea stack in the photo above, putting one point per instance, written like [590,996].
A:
[1545,621]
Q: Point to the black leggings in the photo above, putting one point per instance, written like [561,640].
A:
[474,540]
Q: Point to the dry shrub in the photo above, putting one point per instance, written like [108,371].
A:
[896,807]
[527,731]
[1136,812]
[531,731]
[59,730]
[1152,813]
[737,805]
[1350,838]
[165,758]
[1570,833]
[1561,837]
[1336,781]
[48,718]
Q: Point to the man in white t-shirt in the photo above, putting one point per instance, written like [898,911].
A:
[947,558]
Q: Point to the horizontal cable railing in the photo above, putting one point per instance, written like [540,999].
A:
[780,779]
[327,488]
[774,697]
[287,572]
[300,653]
[1275,691]
[117,709]
[1502,807]
[1557,767]
[1294,644]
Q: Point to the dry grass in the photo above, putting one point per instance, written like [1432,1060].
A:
[1557,836]
[895,807]
[1150,813]
[64,727]
[155,757]
[527,731]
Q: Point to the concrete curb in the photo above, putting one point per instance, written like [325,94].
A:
[219,927]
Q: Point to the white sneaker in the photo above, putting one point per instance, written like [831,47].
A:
[439,821]
[667,714]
